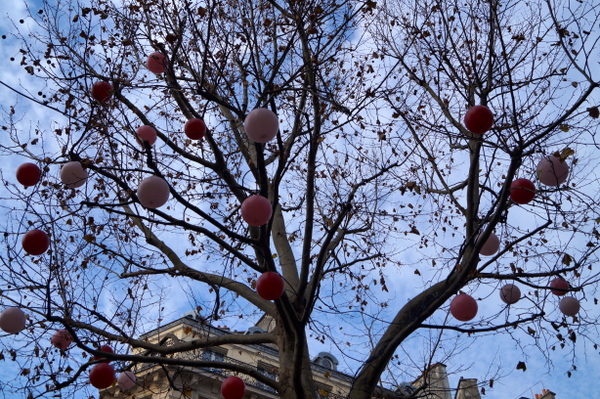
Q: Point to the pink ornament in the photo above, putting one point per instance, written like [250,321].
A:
[153,192]
[552,171]
[102,375]
[463,307]
[146,133]
[156,63]
[12,320]
[73,175]
[126,380]
[270,286]
[491,245]
[28,174]
[560,286]
[479,119]
[256,210]
[522,191]
[102,91]
[510,294]
[35,242]
[61,339]
[261,125]
[195,129]
[233,388]
[569,306]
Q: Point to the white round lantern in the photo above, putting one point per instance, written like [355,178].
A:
[73,175]
[491,245]
[153,192]
[12,320]
[261,125]
[569,306]
[510,294]
[552,171]
[126,380]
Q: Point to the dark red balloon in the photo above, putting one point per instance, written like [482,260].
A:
[29,174]
[104,348]
[522,191]
[102,375]
[233,388]
[560,286]
[479,119]
[463,307]
[36,242]
[270,286]
[102,91]
[195,129]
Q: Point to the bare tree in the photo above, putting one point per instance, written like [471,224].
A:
[371,174]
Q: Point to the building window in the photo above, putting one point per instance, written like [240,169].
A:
[213,356]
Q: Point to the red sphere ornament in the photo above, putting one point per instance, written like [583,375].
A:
[233,388]
[126,380]
[560,286]
[261,125]
[102,91]
[463,307]
[569,306]
[522,191]
[104,348]
[146,133]
[491,245]
[12,320]
[195,129]
[28,174]
[153,192]
[35,242]
[157,62]
[61,339]
[73,175]
[102,375]
[256,210]
[270,286]
[510,294]
[552,171]
[479,119]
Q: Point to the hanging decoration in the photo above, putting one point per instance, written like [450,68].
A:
[126,380]
[12,320]
[195,129]
[146,133]
[552,171]
[491,245]
[479,119]
[256,210]
[61,339]
[153,192]
[510,294]
[463,307]
[35,242]
[270,286]
[28,174]
[522,191]
[73,175]
[233,388]
[102,375]
[102,91]
[559,286]
[157,63]
[569,306]
[261,125]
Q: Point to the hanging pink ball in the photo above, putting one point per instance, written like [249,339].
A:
[157,62]
[569,306]
[153,192]
[35,242]
[12,320]
[270,286]
[522,191]
[28,174]
[261,125]
[233,388]
[102,375]
[510,294]
[560,286]
[61,339]
[463,307]
[491,245]
[552,171]
[479,119]
[146,133]
[256,210]
[102,91]
[195,129]
[126,380]
[73,175]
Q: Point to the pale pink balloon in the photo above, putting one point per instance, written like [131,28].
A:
[552,171]
[61,339]
[146,133]
[153,192]
[569,306]
[510,294]
[463,307]
[491,245]
[12,320]
[156,62]
[126,380]
[261,125]
[256,210]
[73,175]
